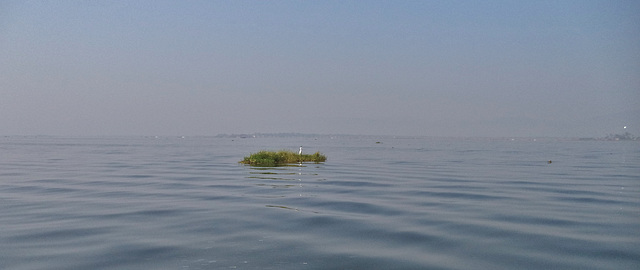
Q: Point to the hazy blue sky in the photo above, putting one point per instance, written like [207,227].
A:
[435,68]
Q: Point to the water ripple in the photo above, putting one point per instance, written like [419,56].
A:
[404,203]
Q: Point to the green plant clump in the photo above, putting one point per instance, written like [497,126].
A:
[271,158]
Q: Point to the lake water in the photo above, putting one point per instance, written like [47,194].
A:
[402,203]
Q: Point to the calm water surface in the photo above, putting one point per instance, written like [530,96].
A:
[403,203]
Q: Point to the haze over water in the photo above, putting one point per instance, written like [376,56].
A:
[377,203]
[408,68]
[102,102]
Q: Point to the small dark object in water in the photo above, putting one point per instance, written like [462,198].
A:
[549,161]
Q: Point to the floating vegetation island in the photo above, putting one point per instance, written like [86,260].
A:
[271,158]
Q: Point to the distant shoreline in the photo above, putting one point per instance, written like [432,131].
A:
[611,137]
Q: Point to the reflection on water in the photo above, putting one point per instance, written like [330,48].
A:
[289,172]
[284,177]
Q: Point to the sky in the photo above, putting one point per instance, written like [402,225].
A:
[406,68]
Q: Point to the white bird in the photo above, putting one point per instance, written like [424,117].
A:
[300,152]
